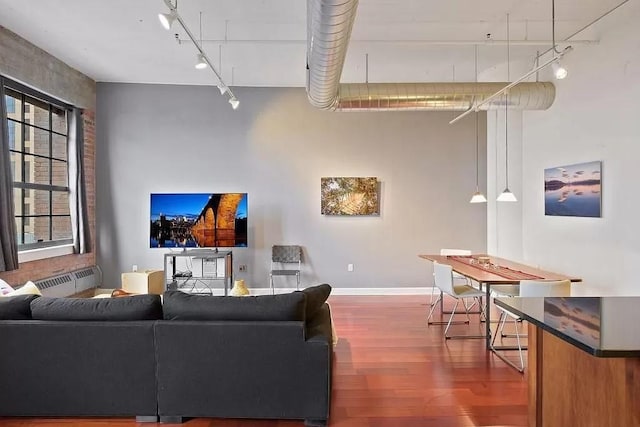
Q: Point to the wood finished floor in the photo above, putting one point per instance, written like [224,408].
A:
[391,370]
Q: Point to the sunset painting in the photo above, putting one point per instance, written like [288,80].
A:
[573,190]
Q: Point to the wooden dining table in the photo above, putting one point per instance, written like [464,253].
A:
[488,270]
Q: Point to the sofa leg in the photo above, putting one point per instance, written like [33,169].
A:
[147,419]
[171,420]
[315,423]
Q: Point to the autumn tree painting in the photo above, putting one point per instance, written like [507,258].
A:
[349,196]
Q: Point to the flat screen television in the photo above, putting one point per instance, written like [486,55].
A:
[198,220]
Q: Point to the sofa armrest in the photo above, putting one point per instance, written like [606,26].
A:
[318,328]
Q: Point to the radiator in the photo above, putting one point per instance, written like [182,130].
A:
[67,284]
[88,278]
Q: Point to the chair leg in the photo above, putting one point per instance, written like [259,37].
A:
[453,312]
[501,321]
[433,307]
[273,290]
[298,281]
[495,351]
[433,291]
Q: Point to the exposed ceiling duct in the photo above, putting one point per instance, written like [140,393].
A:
[329,24]
[440,96]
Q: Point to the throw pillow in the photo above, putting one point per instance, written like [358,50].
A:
[28,288]
[137,307]
[5,288]
[178,305]
[316,297]
[17,307]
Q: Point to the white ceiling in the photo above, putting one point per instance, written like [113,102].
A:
[263,42]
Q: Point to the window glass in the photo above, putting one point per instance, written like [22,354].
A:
[15,135]
[39,166]
[60,203]
[38,113]
[16,166]
[59,175]
[59,120]
[59,144]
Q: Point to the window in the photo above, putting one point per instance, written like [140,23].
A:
[38,147]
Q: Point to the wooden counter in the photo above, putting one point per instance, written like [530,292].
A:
[583,367]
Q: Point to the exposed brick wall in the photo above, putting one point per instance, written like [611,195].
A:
[27,63]
[41,269]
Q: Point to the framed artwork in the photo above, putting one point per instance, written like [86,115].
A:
[573,190]
[349,196]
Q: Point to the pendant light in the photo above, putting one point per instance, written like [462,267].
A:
[507,195]
[477,197]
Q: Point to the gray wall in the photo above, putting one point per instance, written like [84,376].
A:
[276,147]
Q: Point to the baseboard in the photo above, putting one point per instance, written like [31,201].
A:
[335,291]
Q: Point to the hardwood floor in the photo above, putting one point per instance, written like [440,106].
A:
[392,370]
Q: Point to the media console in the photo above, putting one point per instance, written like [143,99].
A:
[198,270]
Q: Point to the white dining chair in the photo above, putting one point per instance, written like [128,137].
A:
[444,280]
[456,276]
[527,288]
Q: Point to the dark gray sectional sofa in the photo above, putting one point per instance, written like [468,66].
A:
[188,356]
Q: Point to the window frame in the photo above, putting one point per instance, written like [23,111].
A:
[28,94]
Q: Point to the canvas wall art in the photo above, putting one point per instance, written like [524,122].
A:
[573,190]
[349,196]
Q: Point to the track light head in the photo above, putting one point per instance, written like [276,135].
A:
[222,88]
[234,103]
[201,64]
[166,19]
[559,71]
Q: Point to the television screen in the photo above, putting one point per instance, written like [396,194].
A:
[198,220]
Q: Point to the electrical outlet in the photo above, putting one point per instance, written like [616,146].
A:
[242,267]
[349,267]
[134,267]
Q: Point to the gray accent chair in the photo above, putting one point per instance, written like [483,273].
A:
[281,255]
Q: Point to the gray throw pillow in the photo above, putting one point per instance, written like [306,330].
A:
[16,308]
[137,307]
[178,305]
[316,297]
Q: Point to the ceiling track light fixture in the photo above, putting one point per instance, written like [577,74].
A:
[477,197]
[201,64]
[167,19]
[558,70]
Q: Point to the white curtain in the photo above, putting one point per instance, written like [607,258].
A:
[8,241]
[77,187]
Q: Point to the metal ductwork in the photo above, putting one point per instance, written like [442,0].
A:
[329,24]
[440,96]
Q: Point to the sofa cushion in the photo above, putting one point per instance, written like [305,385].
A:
[316,297]
[17,307]
[181,306]
[138,307]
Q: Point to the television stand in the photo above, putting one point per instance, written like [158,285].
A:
[198,270]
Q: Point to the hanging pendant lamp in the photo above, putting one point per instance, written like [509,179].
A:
[507,195]
[477,197]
